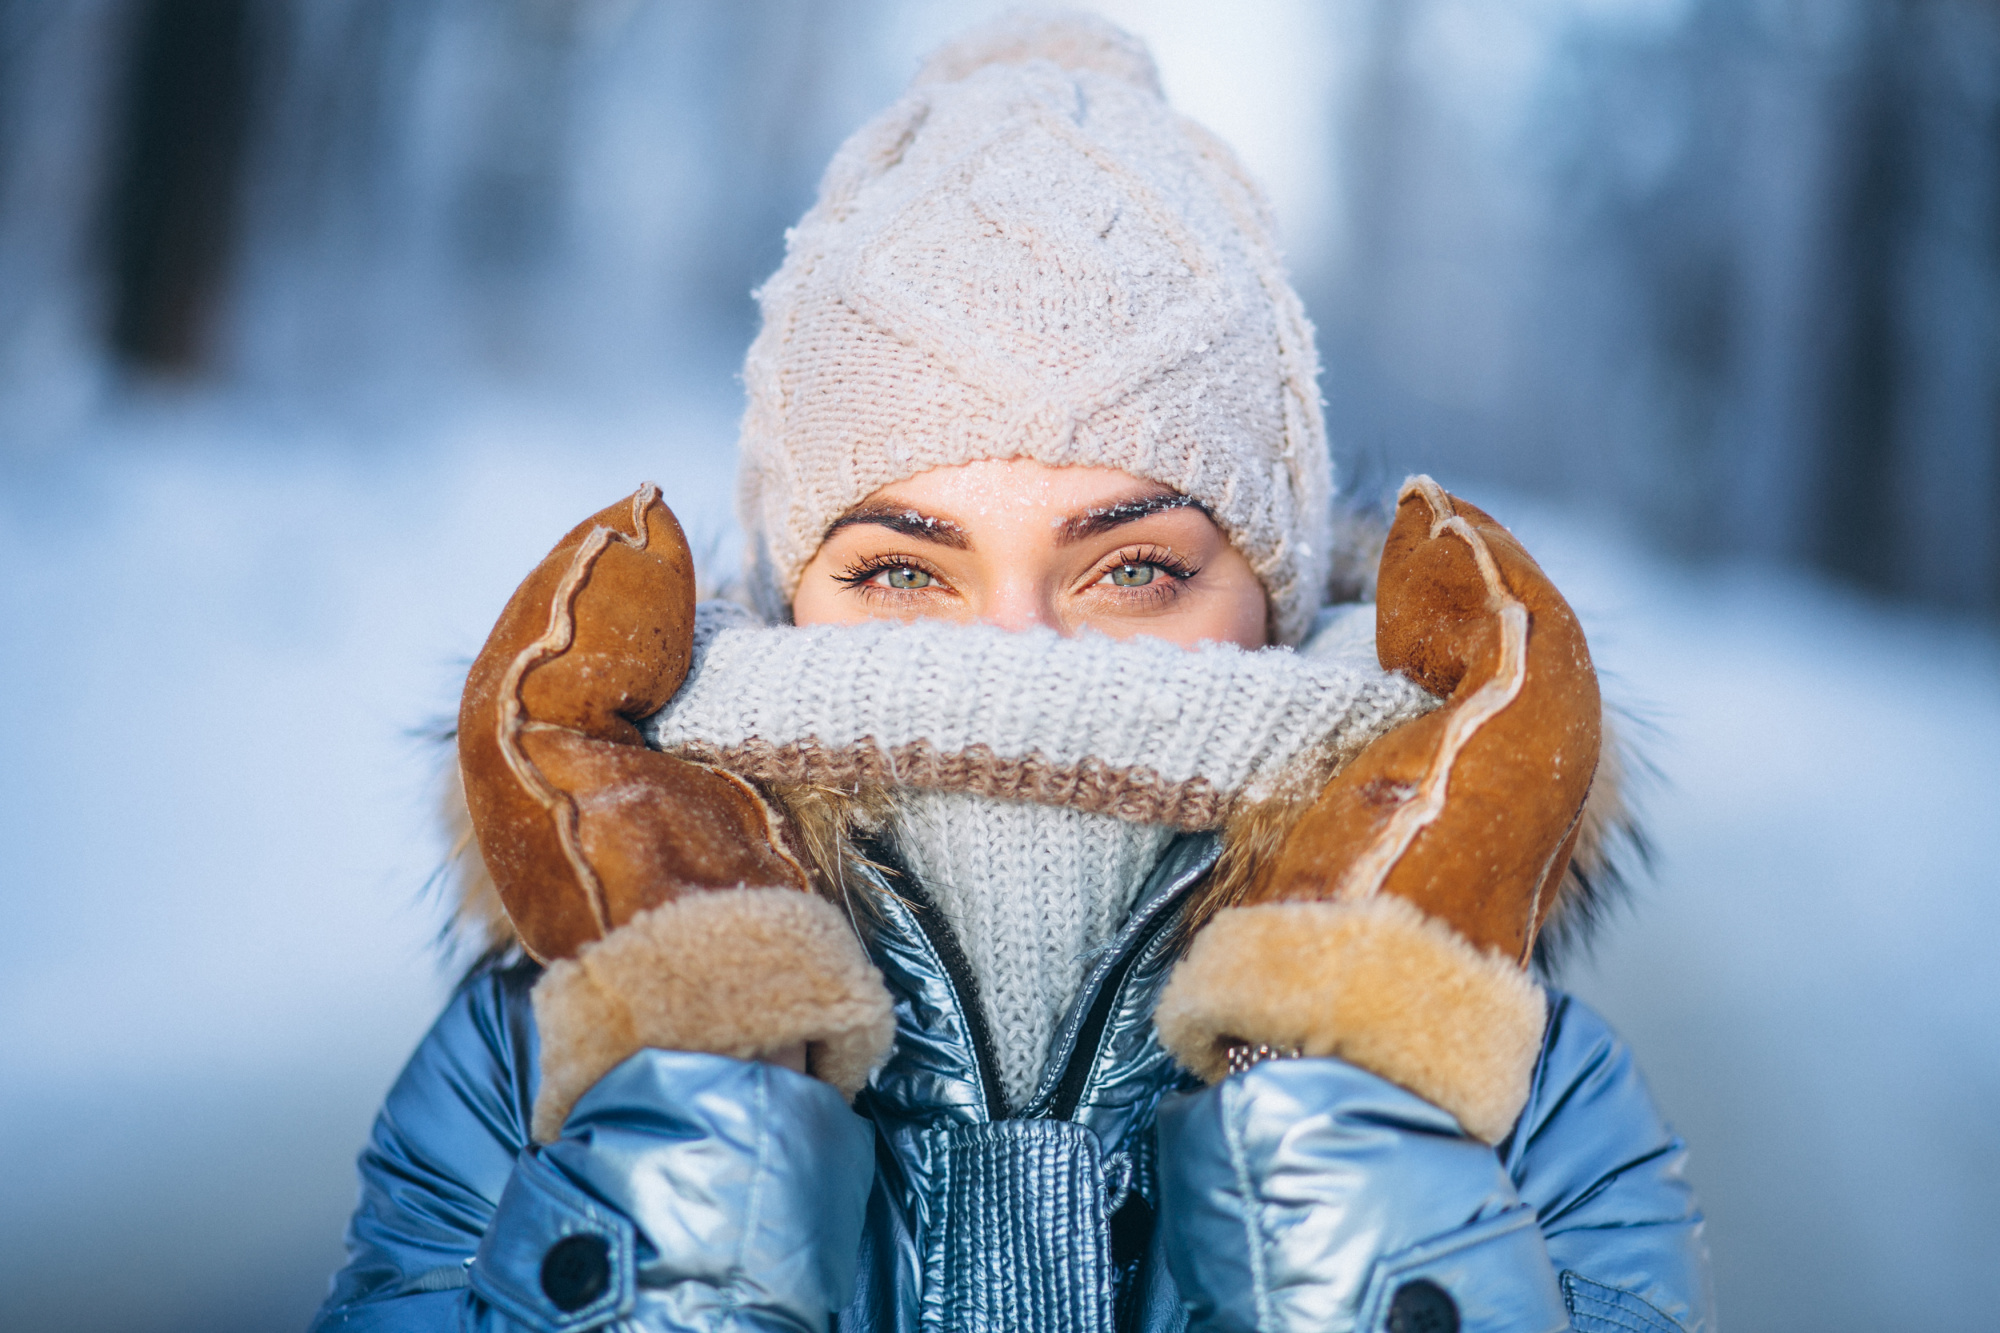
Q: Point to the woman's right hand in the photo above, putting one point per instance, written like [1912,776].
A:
[582,826]
[658,890]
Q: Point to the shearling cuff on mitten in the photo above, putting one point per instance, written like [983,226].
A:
[737,972]
[1376,983]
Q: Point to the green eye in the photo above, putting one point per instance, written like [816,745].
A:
[1133,576]
[906,577]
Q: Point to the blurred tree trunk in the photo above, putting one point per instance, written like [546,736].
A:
[1731,269]
[172,209]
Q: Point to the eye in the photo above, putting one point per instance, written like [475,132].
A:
[905,577]
[1133,575]
[886,573]
[1149,572]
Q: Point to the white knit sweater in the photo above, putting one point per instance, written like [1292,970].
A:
[1035,780]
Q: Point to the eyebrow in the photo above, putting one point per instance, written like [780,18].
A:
[906,521]
[1091,522]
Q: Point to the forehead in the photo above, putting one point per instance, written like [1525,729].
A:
[1011,487]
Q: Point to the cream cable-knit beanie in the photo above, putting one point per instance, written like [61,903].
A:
[1031,255]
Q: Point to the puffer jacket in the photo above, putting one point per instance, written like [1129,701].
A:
[698,1192]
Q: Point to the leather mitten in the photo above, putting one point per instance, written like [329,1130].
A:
[659,891]
[1394,925]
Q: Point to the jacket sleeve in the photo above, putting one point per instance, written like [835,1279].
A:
[687,1191]
[1311,1194]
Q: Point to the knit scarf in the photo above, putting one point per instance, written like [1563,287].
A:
[1033,780]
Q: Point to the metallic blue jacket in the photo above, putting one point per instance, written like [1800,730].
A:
[697,1192]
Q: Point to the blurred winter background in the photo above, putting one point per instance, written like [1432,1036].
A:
[321,319]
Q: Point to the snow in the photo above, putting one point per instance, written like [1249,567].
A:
[224,626]
[1810,983]
[223,630]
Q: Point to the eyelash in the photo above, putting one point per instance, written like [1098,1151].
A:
[1159,557]
[858,574]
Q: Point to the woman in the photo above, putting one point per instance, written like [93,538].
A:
[1041,913]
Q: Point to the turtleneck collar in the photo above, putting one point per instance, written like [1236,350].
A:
[1031,892]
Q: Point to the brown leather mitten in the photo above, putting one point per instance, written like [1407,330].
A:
[1395,923]
[658,890]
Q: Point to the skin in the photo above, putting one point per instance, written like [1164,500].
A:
[1017,544]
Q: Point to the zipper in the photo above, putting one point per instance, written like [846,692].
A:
[1154,913]
[1082,1056]
[1085,1047]
[1090,1037]
[957,970]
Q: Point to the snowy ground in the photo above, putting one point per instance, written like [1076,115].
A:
[222,629]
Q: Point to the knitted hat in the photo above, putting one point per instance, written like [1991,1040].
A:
[1031,255]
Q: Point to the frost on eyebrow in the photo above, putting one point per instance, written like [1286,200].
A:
[904,520]
[1103,518]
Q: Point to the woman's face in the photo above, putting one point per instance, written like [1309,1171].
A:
[1016,543]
